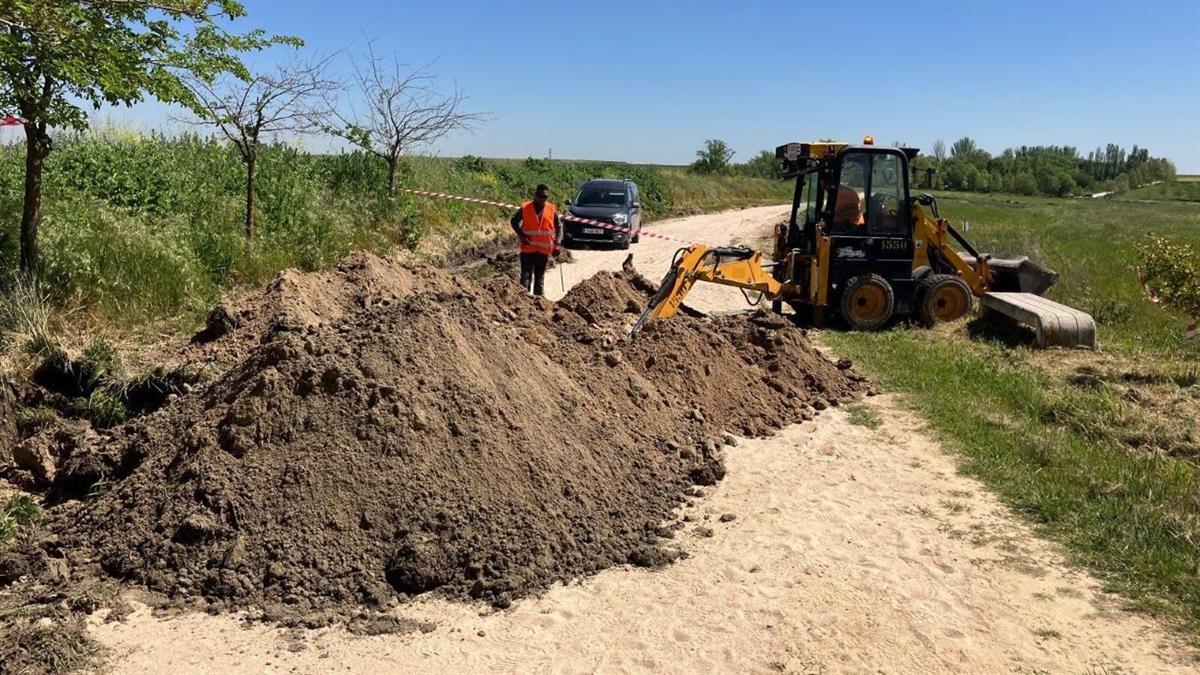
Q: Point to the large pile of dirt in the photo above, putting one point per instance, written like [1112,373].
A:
[451,435]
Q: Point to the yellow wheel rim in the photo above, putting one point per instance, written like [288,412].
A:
[949,302]
[868,302]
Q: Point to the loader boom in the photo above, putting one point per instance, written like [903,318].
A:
[726,265]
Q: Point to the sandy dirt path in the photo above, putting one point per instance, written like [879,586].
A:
[845,549]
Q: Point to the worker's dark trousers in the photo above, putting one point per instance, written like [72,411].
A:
[533,272]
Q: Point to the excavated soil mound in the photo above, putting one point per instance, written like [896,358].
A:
[457,436]
[295,300]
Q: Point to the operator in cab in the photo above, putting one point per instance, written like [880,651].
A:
[847,205]
[540,232]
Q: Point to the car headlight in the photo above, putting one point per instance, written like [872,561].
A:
[620,219]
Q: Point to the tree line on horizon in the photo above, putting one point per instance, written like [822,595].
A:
[1052,171]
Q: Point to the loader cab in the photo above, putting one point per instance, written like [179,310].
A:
[868,218]
[867,193]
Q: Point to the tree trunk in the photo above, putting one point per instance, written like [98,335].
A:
[37,146]
[250,162]
[391,178]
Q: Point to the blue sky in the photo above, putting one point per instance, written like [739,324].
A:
[650,81]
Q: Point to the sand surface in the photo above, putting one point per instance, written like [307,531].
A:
[845,549]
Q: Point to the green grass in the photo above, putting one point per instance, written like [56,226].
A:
[1100,450]
[1091,244]
[19,511]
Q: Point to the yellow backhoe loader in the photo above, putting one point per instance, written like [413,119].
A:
[857,246]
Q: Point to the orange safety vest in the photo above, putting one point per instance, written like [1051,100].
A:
[539,229]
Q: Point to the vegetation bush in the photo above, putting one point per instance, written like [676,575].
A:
[1172,272]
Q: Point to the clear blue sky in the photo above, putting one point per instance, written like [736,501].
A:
[650,81]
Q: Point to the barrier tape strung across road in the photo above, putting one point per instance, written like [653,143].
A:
[565,216]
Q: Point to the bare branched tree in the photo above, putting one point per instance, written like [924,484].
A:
[294,99]
[939,150]
[404,111]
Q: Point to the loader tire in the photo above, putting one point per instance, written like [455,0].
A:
[868,301]
[942,298]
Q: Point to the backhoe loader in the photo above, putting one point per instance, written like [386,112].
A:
[856,246]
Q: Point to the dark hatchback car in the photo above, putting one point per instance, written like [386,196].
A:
[608,201]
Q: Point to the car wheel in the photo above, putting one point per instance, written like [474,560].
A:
[637,236]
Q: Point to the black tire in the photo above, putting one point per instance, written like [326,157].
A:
[624,246]
[637,237]
[777,306]
[867,302]
[942,298]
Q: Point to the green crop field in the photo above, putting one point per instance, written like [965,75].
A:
[1100,449]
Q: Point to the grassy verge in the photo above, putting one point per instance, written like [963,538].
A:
[1099,449]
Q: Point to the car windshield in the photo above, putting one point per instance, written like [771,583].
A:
[601,197]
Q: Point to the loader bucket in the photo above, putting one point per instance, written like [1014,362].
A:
[1021,275]
[1018,275]
[1015,292]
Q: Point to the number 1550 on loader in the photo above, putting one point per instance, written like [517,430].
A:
[857,246]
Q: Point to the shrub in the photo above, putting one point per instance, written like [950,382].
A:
[1172,273]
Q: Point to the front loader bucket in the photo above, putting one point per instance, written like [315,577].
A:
[1015,292]
[1021,275]
[1018,275]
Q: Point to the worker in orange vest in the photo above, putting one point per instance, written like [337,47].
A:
[540,231]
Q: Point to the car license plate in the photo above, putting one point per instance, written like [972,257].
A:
[593,230]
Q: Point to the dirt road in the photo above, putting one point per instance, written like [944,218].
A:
[831,547]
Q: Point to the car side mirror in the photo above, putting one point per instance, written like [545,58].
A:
[568,202]
[636,205]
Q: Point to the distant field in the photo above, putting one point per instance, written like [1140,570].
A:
[1182,191]
[1099,449]
[1189,178]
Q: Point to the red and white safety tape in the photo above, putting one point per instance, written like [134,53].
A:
[564,216]
[11,121]
[1189,333]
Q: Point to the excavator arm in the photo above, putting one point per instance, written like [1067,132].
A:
[726,265]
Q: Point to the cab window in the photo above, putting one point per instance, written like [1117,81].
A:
[886,207]
[811,186]
[850,192]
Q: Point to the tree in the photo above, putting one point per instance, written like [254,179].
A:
[713,157]
[57,56]
[291,99]
[964,148]
[763,165]
[403,111]
[939,150]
